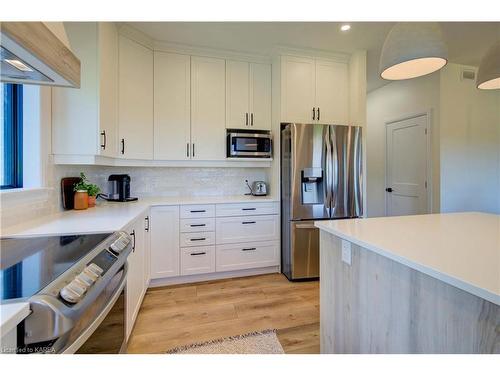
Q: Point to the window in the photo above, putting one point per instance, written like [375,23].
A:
[11,137]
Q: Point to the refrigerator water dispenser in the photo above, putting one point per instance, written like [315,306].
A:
[312,186]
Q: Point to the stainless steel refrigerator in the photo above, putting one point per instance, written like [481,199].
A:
[321,178]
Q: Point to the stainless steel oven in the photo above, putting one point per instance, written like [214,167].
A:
[243,143]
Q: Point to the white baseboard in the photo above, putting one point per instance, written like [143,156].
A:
[212,276]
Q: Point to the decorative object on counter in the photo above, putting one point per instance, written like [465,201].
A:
[118,189]
[81,200]
[68,192]
[84,186]
[262,342]
[488,74]
[258,188]
[412,49]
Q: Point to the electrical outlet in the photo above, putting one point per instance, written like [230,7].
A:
[346,252]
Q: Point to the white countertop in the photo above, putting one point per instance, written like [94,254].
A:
[461,249]
[111,216]
[11,314]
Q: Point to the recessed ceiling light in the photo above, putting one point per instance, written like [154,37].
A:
[18,65]
[345,27]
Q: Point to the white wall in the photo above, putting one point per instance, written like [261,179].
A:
[465,139]
[469,144]
[397,100]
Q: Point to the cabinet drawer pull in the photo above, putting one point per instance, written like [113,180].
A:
[314,113]
[202,253]
[123,146]
[248,222]
[318,113]
[246,119]
[251,118]
[197,225]
[103,134]
[187,149]
[249,249]
[248,209]
[197,211]
[198,239]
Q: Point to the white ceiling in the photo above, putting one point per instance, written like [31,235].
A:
[467,41]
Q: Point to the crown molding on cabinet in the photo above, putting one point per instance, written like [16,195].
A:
[117,162]
[310,52]
[135,35]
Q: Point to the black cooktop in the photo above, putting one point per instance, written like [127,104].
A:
[27,265]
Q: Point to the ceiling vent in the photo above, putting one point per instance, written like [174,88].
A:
[468,75]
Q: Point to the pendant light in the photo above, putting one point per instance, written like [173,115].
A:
[412,49]
[488,74]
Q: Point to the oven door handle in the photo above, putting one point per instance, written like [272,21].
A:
[102,315]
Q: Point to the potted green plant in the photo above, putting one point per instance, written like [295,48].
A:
[92,191]
[81,198]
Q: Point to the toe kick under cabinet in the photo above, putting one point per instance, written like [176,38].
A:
[202,239]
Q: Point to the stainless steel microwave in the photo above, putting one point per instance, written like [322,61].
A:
[242,143]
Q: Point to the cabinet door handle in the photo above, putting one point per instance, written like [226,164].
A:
[103,134]
[249,249]
[197,225]
[146,222]
[318,113]
[187,149]
[198,239]
[197,211]
[193,150]
[246,119]
[123,146]
[248,222]
[202,253]
[314,113]
[133,245]
[248,209]
[251,118]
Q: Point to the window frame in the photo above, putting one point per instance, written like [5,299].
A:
[13,149]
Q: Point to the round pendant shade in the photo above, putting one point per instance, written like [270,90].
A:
[488,74]
[412,49]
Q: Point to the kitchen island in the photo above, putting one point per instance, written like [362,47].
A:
[410,284]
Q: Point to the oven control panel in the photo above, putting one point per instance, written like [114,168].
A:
[75,290]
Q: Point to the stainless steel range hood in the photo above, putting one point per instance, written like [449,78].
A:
[31,54]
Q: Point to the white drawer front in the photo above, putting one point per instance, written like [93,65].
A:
[195,260]
[197,239]
[197,211]
[247,255]
[240,209]
[198,225]
[247,228]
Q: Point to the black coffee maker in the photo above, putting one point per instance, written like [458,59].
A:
[118,189]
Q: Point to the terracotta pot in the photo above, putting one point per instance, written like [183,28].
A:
[92,201]
[81,200]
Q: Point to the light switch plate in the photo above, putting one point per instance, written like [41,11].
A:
[346,252]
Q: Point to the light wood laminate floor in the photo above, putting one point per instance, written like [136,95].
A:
[190,313]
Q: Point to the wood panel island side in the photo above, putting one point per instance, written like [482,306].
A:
[412,284]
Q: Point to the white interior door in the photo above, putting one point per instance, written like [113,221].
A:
[172,109]
[406,167]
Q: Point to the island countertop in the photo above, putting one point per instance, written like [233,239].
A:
[461,249]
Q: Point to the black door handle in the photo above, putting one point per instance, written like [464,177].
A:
[389,190]
[103,134]
[123,146]
[314,113]
[133,235]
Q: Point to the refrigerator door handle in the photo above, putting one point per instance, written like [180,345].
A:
[335,168]
[328,172]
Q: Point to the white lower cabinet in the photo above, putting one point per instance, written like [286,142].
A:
[241,256]
[164,227]
[247,228]
[196,260]
[136,276]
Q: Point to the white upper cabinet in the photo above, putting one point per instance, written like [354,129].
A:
[135,100]
[260,96]
[332,92]
[248,95]
[172,88]
[314,91]
[297,89]
[208,98]
[85,120]
[237,94]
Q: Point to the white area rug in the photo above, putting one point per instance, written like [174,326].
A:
[263,342]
